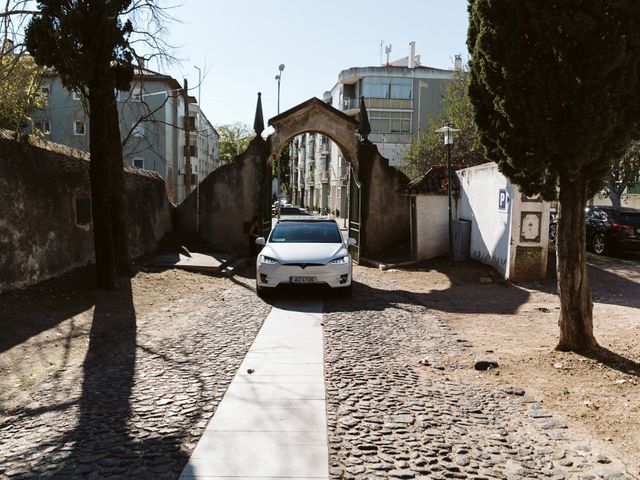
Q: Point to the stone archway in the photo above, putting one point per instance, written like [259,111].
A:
[231,195]
[384,215]
[314,115]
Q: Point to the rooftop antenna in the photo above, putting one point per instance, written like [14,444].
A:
[387,50]
[381,45]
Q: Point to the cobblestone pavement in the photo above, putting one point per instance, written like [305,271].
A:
[389,416]
[137,411]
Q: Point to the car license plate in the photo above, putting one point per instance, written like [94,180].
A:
[303,279]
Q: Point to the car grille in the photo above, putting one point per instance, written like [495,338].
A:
[304,265]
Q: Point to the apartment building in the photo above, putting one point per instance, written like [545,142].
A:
[402,97]
[153,127]
[319,174]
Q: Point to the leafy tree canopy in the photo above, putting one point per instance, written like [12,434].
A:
[427,148]
[234,140]
[73,37]
[19,83]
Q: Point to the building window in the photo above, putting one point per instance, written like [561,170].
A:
[78,127]
[44,92]
[386,87]
[390,122]
[83,211]
[136,95]
[138,162]
[42,126]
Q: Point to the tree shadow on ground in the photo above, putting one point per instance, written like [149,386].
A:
[613,279]
[614,361]
[35,309]
[102,441]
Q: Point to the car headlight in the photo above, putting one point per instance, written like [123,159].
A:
[340,260]
[268,260]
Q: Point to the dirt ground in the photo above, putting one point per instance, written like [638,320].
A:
[516,325]
[45,332]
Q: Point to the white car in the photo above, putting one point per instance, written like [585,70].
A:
[306,251]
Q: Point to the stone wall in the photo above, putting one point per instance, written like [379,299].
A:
[385,207]
[45,211]
[229,197]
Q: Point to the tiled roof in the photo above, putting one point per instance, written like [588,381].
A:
[434,182]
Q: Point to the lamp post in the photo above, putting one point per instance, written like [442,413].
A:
[448,130]
[198,173]
[278,77]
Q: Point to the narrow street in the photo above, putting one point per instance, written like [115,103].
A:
[104,398]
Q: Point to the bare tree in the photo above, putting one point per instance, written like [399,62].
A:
[19,75]
[92,47]
[624,174]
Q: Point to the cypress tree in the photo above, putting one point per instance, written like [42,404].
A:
[88,45]
[554,84]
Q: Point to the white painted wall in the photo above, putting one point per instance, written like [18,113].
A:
[432,224]
[490,225]
[511,236]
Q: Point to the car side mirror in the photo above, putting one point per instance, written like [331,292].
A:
[261,241]
[351,241]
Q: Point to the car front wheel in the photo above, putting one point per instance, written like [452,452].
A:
[598,244]
[261,291]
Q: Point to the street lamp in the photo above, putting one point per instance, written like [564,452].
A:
[199,166]
[278,77]
[448,130]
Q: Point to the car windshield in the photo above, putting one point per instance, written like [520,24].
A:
[306,232]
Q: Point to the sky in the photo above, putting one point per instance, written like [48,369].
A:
[239,44]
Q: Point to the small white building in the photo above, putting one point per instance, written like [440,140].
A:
[508,230]
[429,204]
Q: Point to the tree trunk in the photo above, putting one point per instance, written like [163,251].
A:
[614,196]
[101,187]
[119,217]
[576,307]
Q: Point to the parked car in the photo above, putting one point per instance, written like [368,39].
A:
[291,210]
[612,228]
[304,251]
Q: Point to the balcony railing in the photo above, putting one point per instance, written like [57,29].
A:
[385,103]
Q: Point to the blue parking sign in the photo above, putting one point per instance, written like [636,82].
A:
[502,199]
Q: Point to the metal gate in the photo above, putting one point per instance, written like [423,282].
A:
[354,214]
[265,203]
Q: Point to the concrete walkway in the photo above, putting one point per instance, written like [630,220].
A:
[271,423]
